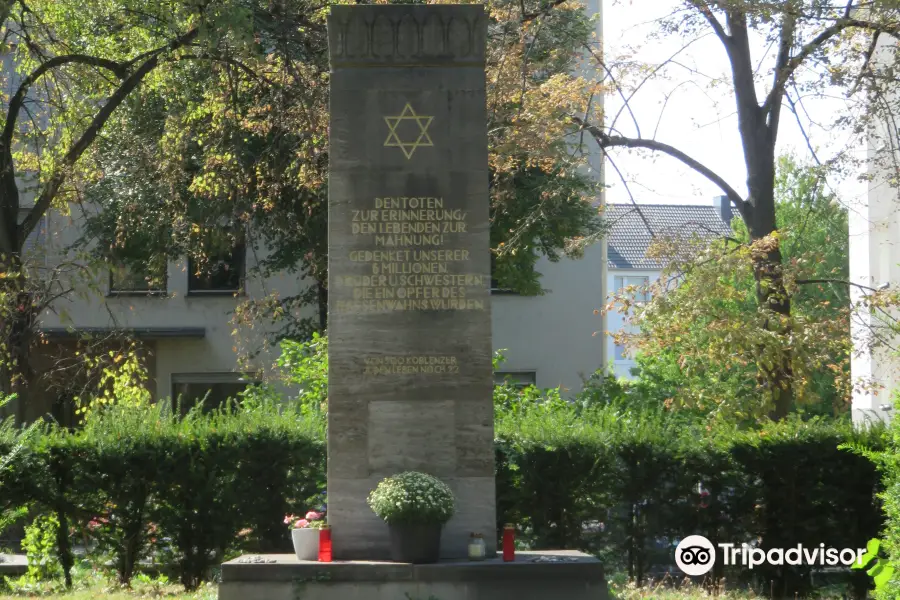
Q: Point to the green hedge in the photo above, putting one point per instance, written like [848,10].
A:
[193,490]
[783,484]
[189,489]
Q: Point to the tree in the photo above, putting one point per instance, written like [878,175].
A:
[705,341]
[244,142]
[76,63]
[816,47]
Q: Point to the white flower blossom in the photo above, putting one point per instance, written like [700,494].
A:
[412,497]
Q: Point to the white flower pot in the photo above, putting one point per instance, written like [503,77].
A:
[306,543]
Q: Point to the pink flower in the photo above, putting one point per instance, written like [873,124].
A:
[288,519]
[313,515]
[301,524]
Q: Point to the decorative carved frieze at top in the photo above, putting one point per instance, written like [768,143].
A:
[407,35]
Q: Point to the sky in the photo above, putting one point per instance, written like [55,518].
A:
[698,117]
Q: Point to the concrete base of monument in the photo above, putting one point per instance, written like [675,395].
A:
[544,575]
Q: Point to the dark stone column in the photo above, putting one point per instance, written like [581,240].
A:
[409,267]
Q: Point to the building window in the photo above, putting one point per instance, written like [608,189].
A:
[519,379]
[640,294]
[224,273]
[128,279]
[640,283]
[212,389]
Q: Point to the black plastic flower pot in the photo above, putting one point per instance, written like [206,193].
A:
[415,543]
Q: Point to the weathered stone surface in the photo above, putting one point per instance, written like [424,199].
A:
[409,266]
[571,575]
[407,36]
[399,442]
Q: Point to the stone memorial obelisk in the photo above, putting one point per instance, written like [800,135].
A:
[409,321]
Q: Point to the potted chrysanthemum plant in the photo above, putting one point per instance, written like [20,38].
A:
[415,507]
[305,533]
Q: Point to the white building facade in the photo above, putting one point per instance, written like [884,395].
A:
[874,228]
[552,340]
[186,327]
[633,229]
[874,263]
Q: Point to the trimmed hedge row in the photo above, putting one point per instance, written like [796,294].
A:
[138,481]
[625,487]
[652,481]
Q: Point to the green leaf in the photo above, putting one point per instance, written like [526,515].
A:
[883,577]
[872,548]
[875,570]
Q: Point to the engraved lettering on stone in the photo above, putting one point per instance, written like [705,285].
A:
[408,266]
[428,364]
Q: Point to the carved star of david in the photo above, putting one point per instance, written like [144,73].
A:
[393,139]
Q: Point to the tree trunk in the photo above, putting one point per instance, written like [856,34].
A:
[19,355]
[758,127]
[776,376]
[323,305]
[17,321]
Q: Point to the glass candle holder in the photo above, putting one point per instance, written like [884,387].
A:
[509,543]
[477,548]
[325,544]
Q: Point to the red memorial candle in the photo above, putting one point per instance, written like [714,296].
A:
[509,543]
[325,544]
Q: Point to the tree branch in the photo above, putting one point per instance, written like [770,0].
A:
[15,103]
[612,77]
[648,77]
[630,195]
[786,42]
[604,140]
[528,17]
[867,60]
[704,8]
[61,173]
[742,68]
[838,281]
[228,61]
[815,44]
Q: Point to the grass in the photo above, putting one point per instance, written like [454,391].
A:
[171,592]
[91,584]
[94,585]
[155,591]
[105,593]
[672,589]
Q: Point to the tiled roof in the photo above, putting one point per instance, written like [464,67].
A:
[629,237]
